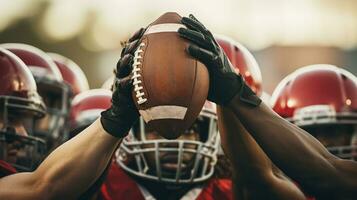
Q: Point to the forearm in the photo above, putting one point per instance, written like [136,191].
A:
[68,171]
[255,177]
[250,163]
[285,143]
[74,166]
[78,162]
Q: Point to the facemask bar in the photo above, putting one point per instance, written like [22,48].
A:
[203,163]
[344,152]
[57,131]
[21,104]
[322,114]
[32,149]
[347,151]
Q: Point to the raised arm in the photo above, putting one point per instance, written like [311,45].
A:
[255,177]
[68,171]
[293,150]
[71,168]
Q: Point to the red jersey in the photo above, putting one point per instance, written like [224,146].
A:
[6,169]
[119,185]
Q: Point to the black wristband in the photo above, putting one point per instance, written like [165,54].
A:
[235,86]
[246,95]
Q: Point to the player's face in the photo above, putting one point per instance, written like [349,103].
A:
[12,148]
[332,135]
[17,148]
[169,160]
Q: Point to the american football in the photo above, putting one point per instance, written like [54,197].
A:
[170,87]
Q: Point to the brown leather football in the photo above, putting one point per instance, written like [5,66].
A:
[170,87]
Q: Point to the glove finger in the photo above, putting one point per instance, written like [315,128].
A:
[123,85]
[195,19]
[206,31]
[193,25]
[202,55]
[197,26]
[137,35]
[130,47]
[195,37]
[124,66]
[126,83]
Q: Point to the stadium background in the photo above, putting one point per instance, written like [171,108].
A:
[282,34]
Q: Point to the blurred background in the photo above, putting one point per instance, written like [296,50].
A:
[283,35]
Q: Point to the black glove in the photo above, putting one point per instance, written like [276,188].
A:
[121,116]
[224,82]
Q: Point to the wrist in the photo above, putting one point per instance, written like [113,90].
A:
[103,132]
[234,103]
[116,125]
[244,97]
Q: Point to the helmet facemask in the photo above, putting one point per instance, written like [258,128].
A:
[339,139]
[52,128]
[17,146]
[335,130]
[179,161]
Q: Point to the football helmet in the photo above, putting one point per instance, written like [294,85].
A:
[72,74]
[318,97]
[20,105]
[86,108]
[52,89]
[243,62]
[131,155]
[108,84]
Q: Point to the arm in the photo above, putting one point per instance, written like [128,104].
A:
[254,176]
[292,149]
[66,172]
[74,166]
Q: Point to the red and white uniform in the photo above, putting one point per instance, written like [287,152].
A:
[119,185]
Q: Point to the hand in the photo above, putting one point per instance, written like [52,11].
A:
[224,83]
[120,117]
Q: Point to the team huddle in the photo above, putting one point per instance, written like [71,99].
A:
[61,140]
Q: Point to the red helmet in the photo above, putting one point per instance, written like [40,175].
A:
[317,96]
[72,74]
[243,62]
[87,106]
[52,89]
[19,103]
